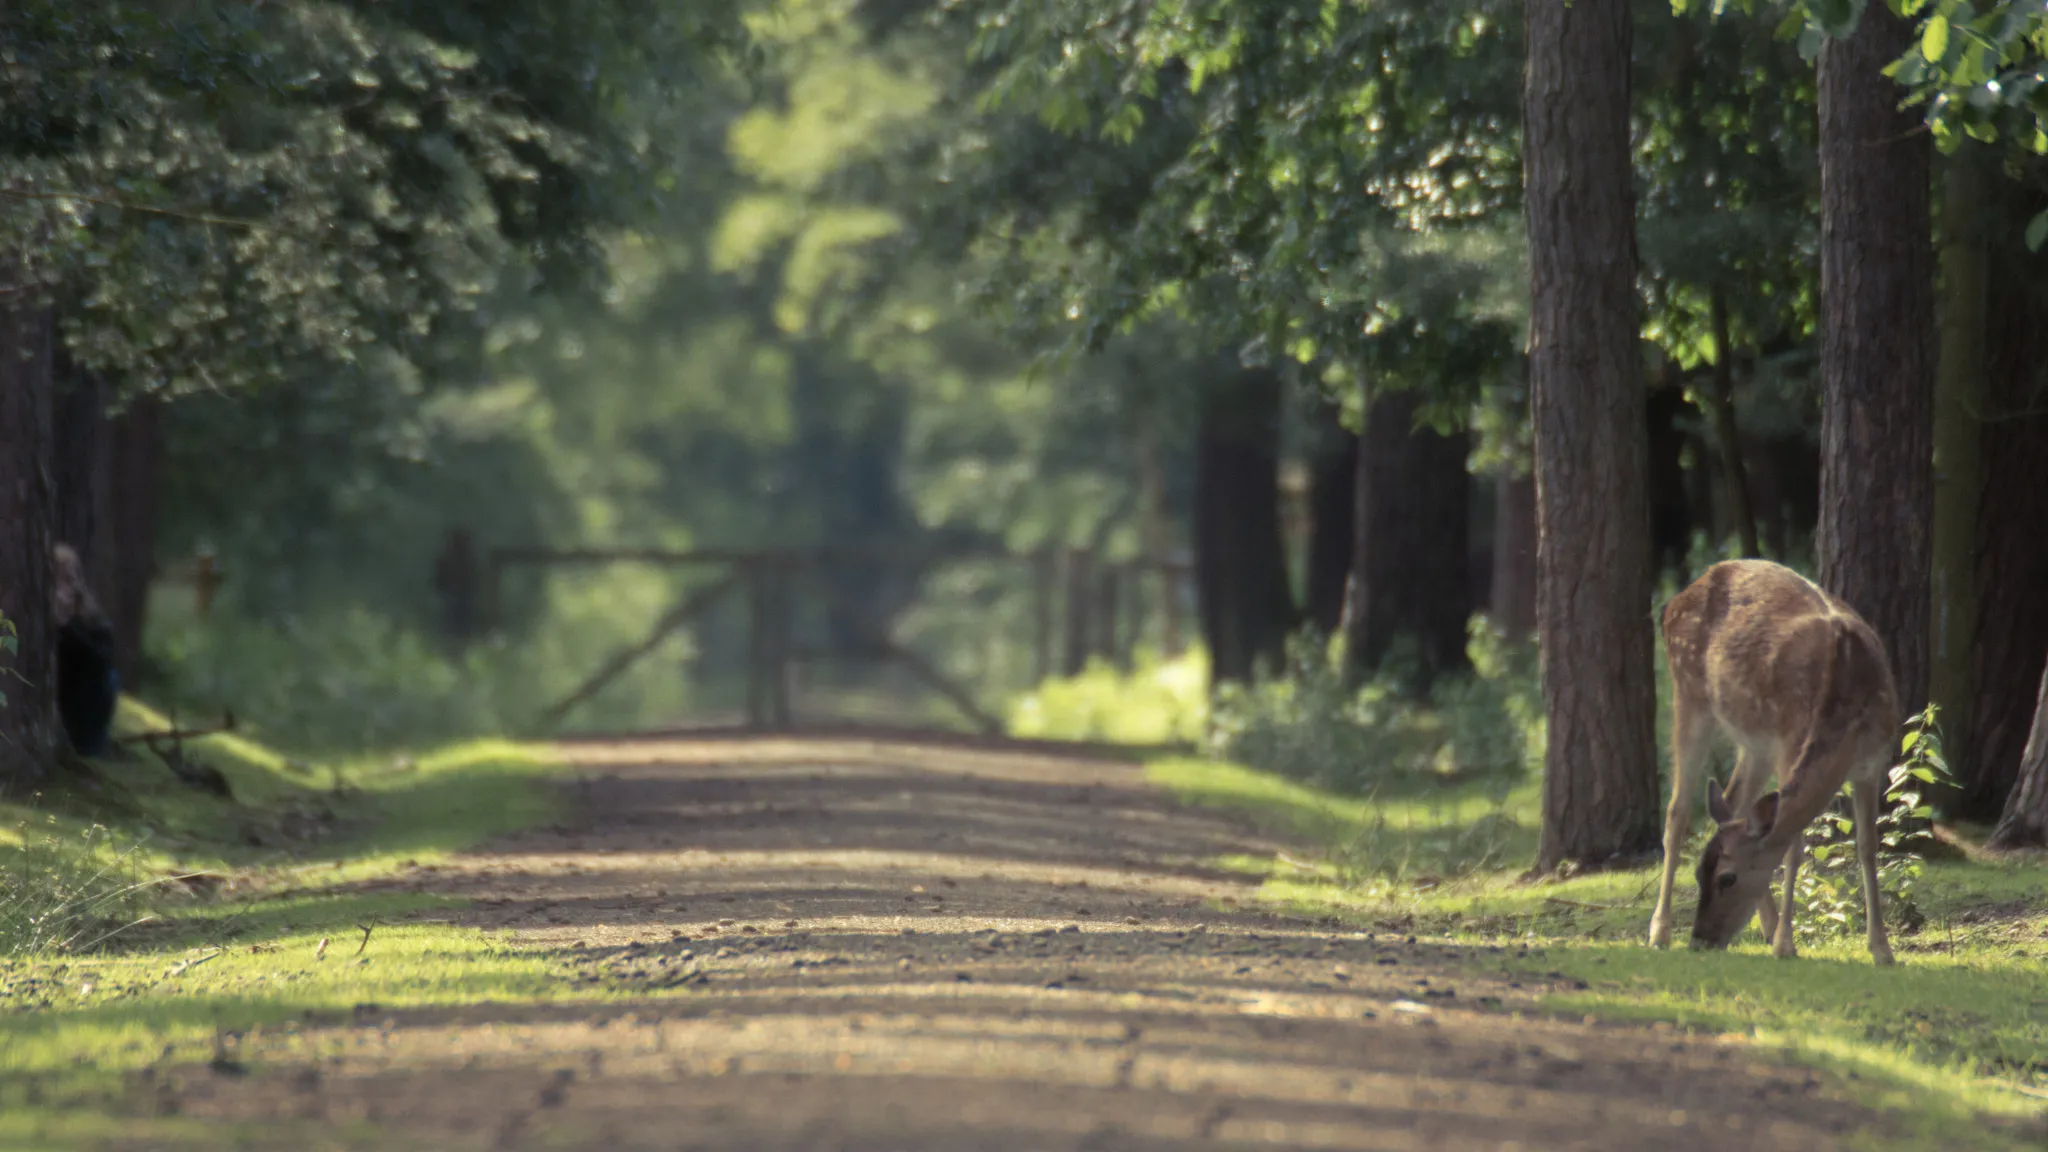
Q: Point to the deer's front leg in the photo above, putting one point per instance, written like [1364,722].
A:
[1865,799]
[1677,819]
[1691,727]
[1781,938]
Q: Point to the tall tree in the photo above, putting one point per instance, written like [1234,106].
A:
[2025,823]
[1593,591]
[1410,558]
[28,716]
[1877,344]
[1241,585]
[2008,554]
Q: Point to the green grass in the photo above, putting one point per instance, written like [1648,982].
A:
[194,967]
[1955,1038]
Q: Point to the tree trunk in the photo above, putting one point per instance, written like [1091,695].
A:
[1959,457]
[1671,512]
[79,450]
[1593,566]
[135,467]
[1877,350]
[2010,642]
[1416,503]
[2025,823]
[1514,556]
[1727,434]
[1153,524]
[1333,499]
[1240,554]
[28,719]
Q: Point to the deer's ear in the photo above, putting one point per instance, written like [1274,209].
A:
[1764,816]
[1717,804]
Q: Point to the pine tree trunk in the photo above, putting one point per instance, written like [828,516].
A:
[1958,454]
[1413,576]
[2025,823]
[2010,639]
[1727,430]
[1333,487]
[1514,556]
[134,471]
[1241,585]
[1877,347]
[28,720]
[1600,795]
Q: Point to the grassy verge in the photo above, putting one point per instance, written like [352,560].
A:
[153,923]
[1954,1039]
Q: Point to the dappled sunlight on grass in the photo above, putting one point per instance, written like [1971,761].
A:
[1958,1029]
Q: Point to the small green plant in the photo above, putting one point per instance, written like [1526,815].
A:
[1830,885]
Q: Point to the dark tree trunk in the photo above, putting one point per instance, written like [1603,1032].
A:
[1671,512]
[1727,434]
[1877,346]
[1333,487]
[1240,555]
[1600,799]
[1784,479]
[2011,576]
[1514,556]
[2025,824]
[28,720]
[1959,455]
[128,564]
[1416,503]
[79,449]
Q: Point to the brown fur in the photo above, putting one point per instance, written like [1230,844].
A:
[1804,689]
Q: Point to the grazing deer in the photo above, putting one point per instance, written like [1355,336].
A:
[1804,689]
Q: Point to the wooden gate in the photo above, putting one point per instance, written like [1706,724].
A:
[1084,607]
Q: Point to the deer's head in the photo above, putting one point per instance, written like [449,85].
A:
[1735,868]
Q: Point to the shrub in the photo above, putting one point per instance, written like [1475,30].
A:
[1830,883]
[1313,724]
[1159,701]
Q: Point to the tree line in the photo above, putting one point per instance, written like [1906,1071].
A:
[1538,295]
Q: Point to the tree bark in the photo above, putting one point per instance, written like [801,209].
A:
[28,720]
[2025,823]
[1877,349]
[1671,513]
[1959,457]
[1600,796]
[134,470]
[1415,500]
[2010,637]
[1514,556]
[1241,583]
[1333,498]
[1727,434]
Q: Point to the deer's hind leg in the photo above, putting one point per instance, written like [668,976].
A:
[1865,799]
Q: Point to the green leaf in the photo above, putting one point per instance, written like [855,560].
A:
[2037,232]
[1934,40]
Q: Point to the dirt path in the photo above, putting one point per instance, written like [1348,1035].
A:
[855,947]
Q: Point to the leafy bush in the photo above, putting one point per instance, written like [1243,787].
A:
[1313,724]
[61,893]
[1830,882]
[350,679]
[1159,701]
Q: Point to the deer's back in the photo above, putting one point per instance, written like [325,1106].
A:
[1772,653]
